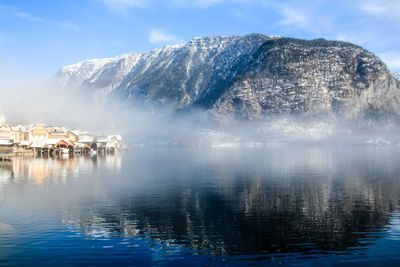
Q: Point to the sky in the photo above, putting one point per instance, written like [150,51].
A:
[40,36]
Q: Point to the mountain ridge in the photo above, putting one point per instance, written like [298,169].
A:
[249,77]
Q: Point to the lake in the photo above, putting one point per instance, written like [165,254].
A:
[302,205]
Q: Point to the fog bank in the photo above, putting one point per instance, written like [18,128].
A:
[28,99]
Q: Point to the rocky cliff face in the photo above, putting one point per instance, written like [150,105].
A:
[250,77]
[310,77]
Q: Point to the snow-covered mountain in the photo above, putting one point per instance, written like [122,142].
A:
[175,74]
[249,77]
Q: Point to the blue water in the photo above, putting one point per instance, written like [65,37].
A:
[301,206]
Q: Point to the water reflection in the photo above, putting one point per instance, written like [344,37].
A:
[221,202]
[394,226]
[53,170]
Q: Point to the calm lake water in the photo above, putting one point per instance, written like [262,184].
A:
[300,206]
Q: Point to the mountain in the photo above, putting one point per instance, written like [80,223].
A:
[175,74]
[250,77]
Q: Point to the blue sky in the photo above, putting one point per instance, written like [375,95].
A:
[40,36]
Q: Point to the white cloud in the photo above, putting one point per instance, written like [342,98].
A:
[157,37]
[382,9]
[207,3]
[69,26]
[26,16]
[291,17]
[212,3]
[122,5]
[295,15]
[197,3]
[13,13]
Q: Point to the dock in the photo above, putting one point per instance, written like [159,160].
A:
[5,157]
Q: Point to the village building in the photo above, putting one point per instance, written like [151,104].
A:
[80,148]
[6,137]
[25,145]
[87,141]
[113,143]
[49,140]
[5,129]
[72,137]
[20,134]
[38,133]
[6,141]
[55,133]
[52,147]
[101,145]
[86,138]
[58,132]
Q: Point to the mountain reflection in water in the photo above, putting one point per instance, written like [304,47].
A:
[233,202]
